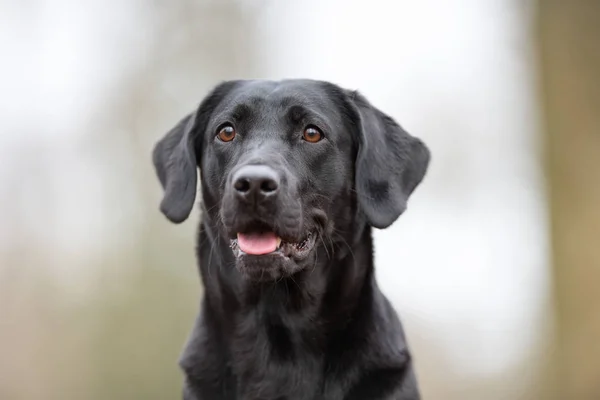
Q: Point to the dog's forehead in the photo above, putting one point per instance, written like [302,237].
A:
[280,95]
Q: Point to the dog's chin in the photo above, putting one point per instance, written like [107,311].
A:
[286,260]
[266,268]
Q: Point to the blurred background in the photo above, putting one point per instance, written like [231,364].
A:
[494,268]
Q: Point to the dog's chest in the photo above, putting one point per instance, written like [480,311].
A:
[273,360]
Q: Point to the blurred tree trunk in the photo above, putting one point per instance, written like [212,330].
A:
[569,42]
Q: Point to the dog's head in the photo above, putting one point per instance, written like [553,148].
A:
[284,164]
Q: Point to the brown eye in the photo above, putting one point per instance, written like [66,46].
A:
[226,133]
[312,134]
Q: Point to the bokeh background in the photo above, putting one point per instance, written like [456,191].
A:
[494,268]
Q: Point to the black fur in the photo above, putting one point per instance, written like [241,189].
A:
[310,325]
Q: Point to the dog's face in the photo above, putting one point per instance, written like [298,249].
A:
[274,158]
[285,165]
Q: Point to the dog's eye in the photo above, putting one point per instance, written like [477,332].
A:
[226,133]
[312,134]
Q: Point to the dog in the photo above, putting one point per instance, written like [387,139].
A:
[294,175]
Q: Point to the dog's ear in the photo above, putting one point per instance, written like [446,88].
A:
[390,164]
[177,155]
[174,159]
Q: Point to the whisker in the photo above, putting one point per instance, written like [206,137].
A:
[362,195]
[346,243]
[314,264]
[287,297]
[293,280]
[324,245]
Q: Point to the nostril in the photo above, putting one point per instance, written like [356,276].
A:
[268,186]
[242,185]
[255,183]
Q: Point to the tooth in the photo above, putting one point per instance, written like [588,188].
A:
[278,242]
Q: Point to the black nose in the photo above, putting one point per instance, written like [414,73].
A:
[256,183]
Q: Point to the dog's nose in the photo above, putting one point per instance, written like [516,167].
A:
[256,183]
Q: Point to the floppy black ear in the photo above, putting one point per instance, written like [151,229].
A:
[175,163]
[390,164]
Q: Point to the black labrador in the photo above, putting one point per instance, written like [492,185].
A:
[294,176]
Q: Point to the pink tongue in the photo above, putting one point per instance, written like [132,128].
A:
[257,243]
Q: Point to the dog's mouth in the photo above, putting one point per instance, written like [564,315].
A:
[269,243]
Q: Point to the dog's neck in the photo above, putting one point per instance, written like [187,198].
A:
[328,291]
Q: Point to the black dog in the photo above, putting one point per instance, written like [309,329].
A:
[294,175]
